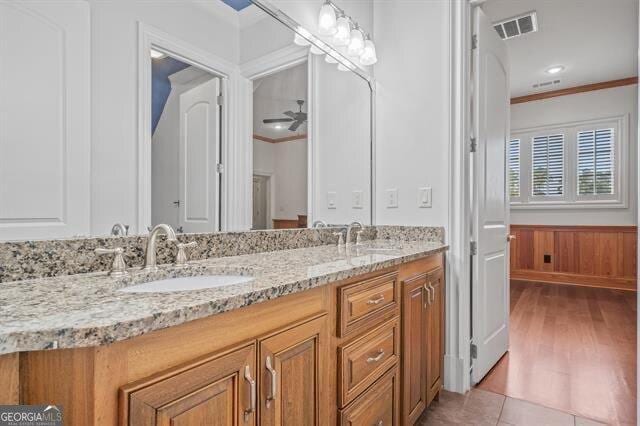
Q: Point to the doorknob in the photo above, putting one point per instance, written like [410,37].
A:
[510,237]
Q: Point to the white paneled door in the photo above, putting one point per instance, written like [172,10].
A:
[490,280]
[44,119]
[198,187]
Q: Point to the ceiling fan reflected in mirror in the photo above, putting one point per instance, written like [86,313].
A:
[295,118]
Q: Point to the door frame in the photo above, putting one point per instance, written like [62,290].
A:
[458,290]
[150,37]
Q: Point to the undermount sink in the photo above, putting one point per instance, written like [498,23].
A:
[187,283]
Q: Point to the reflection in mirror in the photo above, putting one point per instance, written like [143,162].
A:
[280,149]
[206,116]
[185,145]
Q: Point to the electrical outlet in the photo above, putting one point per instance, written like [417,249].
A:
[331,200]
[392,198]
[356,199]
[424,197]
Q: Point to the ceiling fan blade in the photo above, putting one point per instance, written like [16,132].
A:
[277,120]
[290,114]
[295,126]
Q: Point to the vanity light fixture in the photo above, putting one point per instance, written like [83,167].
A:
[327,19]
[316,50]
[555,69]
[356,43]
[341,67]
[155,54]
[343,31]
[368,56]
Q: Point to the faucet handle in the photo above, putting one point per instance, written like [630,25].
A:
[340,236]
[358,237]
[119,267]
[181,257]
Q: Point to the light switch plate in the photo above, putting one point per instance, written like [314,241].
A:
[424,197]
[331,200]
[356,199]
[392,198]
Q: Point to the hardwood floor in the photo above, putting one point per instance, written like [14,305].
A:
[572,349]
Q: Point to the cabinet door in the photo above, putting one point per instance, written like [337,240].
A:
[414,352]
[220,391]
[293,366]
[435,333]
[378,406]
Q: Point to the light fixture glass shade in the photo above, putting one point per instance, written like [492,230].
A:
[330,59]
[300,41]
[356,44]
[327,20]
[343,31]
[368,56]
[342,67]
[155,54]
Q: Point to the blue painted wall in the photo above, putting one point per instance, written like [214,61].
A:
[161,69]
[238,4]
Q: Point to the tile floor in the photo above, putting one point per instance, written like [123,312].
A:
[480,407]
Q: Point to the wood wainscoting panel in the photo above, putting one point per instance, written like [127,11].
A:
[596,256]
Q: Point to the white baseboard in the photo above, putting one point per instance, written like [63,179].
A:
[455,377]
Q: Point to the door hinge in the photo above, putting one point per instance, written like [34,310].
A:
[474,42]
[220,100]
[474,351]
[220,168]
[474,145]
[473,248]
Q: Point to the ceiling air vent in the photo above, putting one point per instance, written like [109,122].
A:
[517,26]
[546,84]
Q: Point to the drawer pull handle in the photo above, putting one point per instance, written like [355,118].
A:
[379,423]
[252,392]
[377,357]
[274,383]
[377,301]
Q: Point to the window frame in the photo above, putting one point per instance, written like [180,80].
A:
[570,198]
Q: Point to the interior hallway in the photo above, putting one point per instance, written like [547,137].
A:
[572,349]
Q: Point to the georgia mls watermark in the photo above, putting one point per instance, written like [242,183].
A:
[30,415]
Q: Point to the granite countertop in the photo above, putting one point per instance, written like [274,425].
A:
[88,310]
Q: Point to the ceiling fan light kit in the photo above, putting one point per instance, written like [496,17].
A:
[295,118]
[342,31]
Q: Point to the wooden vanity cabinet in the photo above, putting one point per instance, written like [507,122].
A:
[220,390]
[422,338]
[293,375]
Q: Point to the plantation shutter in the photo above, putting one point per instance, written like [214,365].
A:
[514,168]
[547,167]
[596,162]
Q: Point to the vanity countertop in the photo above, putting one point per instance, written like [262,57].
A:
[88,310]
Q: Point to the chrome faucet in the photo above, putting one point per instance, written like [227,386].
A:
[350,227]
[319,224]
[120,229]
[150,255]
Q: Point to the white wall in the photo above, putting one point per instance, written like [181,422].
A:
[578,107]
[114,92]
[412,149]
[287,164]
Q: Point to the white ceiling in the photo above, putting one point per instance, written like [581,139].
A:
[275,94]
[595,40]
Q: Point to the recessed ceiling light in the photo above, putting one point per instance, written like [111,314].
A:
[555,69]
[156,54]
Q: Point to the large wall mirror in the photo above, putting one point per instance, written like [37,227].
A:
[201,115]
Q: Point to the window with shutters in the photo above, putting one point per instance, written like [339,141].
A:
[514,168]
[596,157]
[569,165]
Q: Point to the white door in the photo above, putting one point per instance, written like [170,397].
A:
[259,202]
[198,187]
[44,119]
[490,274]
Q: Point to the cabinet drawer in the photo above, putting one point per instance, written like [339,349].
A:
[364,360]
[379,405]
[367,303]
